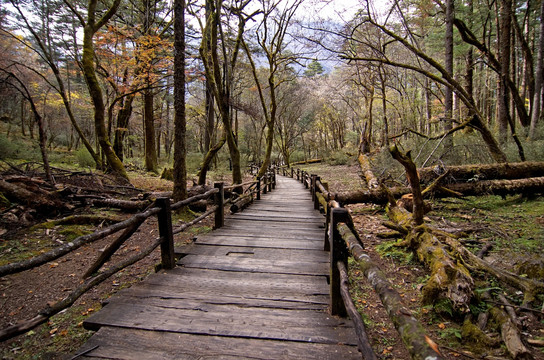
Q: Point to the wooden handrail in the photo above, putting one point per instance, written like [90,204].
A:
[163,210]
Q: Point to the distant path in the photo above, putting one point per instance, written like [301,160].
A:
[254,289]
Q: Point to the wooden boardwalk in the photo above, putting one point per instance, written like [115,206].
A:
[254,289]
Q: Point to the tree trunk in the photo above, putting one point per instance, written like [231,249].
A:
[180,124]
[505,14]
[208,160]
[448,91]
[123,117]
[536,105]
[149,122]
[95,91]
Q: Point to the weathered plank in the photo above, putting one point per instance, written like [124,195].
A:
[130,344]
[254,252]
[254,289]
[261,323]
[253,265]
[261,241]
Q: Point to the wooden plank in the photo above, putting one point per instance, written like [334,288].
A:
[260,241]
[130,344]
[279,219]
[162,294]
[254,252]
[254,265]
[260,323]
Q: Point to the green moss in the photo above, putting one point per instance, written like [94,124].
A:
[72,232]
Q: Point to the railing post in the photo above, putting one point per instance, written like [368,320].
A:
[165,232]
[292,173]
[265,183]
[316,179]
[306,183]
[338,252]
[219,201]
[258,188]
[273,180]
[269,175]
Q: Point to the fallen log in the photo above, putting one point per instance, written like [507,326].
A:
[368,174]
[507,171]
[364,343]
[42,202]
[303,162]
[449,280]
[477,188]
[241,203]
[126,205]
[410,330]
[510,335]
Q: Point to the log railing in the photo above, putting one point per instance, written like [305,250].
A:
[162,208]
[342,241]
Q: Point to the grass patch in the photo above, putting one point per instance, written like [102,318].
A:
[516,223]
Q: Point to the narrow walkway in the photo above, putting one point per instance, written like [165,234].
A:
[254,289]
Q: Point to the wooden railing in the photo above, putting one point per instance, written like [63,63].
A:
[342,241]
[337,217]
[162,208]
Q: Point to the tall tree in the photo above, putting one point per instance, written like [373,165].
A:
[220,70]
[180,126]
[448,64]
[503,97]
[272,37]
[537,98]
[91,24]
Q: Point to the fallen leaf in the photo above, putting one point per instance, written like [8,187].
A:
[53,265]
[432,344]
[53,331]
[442,326]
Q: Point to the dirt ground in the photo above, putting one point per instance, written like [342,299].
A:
[23,295]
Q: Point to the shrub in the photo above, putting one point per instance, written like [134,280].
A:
[338,157]
[84,158]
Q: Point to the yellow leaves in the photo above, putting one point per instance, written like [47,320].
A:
[442,326]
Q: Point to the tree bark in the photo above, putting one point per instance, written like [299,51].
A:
[536,106]
[180,124]
[487,187]
[149,125]
[448,91]
[91,26]
[477,172]
[503,98]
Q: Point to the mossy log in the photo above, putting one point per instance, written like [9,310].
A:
[412,333]
[368,174]
[449,280]
[510,335]
[533,185]
[506,171]
[530,287]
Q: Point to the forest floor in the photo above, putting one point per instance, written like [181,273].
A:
[515,226]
